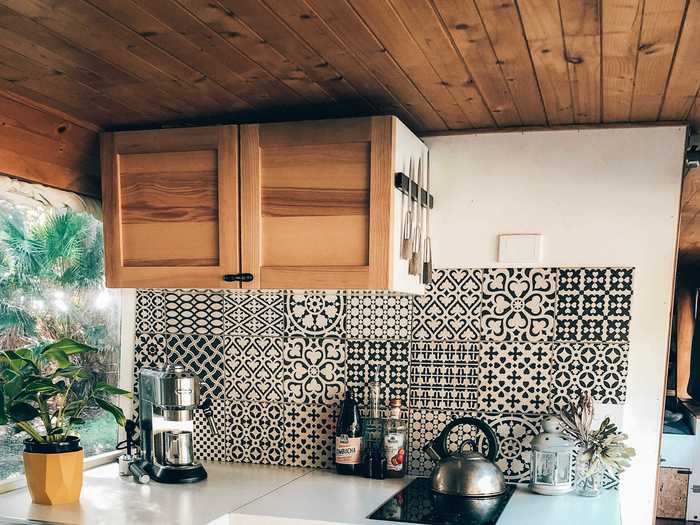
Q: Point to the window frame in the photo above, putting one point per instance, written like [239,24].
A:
[126,381]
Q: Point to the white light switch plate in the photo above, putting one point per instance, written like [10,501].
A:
[520,248]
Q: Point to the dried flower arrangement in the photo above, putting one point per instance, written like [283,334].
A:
[602,449]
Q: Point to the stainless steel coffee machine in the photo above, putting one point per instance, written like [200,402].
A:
[168,398]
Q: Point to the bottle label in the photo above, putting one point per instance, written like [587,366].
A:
[348,450]
[395,451]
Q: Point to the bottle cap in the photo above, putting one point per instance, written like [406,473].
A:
[395,403]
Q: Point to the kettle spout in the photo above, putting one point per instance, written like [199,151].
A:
[432,453]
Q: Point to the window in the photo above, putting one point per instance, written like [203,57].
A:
[52,286]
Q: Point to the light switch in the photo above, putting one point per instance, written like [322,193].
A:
[520,248]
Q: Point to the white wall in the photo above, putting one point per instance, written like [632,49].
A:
[605,197]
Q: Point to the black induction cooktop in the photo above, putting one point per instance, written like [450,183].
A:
[417,503]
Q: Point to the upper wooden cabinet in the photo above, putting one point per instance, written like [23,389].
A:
[170,206]
[317,205]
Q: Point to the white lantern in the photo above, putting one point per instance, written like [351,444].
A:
[553,456]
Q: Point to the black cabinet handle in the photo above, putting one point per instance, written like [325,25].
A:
[238,277]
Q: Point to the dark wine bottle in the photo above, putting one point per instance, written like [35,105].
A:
[348,437]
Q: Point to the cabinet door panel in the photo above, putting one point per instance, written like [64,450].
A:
[312,196]
[171,207]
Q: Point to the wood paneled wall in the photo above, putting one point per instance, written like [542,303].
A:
[42,146]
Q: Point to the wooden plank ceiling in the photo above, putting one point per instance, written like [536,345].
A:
[438,64]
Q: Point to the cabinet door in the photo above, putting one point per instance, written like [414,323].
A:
[170,202]
[316,203]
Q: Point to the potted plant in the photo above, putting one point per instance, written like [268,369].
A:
[599,450]
[45,391]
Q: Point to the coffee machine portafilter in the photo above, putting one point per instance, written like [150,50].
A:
[168,398]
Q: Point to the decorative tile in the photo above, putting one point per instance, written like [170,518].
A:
[389,357]
[444,376]
[514,433]
[254,368]
[150,314]
[315,314]
[519,304]
[515,377]
[600,368]
[194,312]
[254,313]
[209,446]
[373,315]
[149,351]
[257,432]
[314,369]
[309,435]
[451,307]
[593,304]
[202,355]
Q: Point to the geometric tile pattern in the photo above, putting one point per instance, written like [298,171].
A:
[309,435]
[388,359]
[202,355]
[257,432]
[594,304]
[444,376]
[373,315]
[194,312]
[518,304]
[255,314]
[150,314]
[450,309]
[504,344]
[254,368]
[515,376]
[600,368]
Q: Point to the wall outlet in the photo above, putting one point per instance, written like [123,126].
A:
[520,248]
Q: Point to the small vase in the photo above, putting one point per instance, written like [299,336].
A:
[589,478]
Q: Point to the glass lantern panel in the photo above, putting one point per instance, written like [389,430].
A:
[545,463]
[564,467]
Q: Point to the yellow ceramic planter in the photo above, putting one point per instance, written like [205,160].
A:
[54,478]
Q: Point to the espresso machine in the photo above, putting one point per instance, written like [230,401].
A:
[168,398]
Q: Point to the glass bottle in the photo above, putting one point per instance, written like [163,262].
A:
[348,437]
[395,439]
[373,465]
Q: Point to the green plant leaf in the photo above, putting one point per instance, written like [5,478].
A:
[111,390]
[41,386]
[13,387]
[76,421]
[113,409]
[22,412]
[58,356]
[3,415]
[69,347]
[75,372]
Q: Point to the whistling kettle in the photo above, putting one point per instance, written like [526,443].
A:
[466,473]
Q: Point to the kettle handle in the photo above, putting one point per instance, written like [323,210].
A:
[440,443]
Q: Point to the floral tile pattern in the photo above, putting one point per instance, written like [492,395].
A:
[207,445]
[315,314]
[600,368]
[506,345]
[450,309]
[254,368]
[594,304]
[150,315]
[515,377]
[444,376]
[256,432]
[254,314]
[194,312]
[309,435]
[374,315]
[519,304]
[203,355]
[314,370]
[389,358]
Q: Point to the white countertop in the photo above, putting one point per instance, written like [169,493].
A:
[237,494]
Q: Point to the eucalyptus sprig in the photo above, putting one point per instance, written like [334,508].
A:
[44,392]
[603,448]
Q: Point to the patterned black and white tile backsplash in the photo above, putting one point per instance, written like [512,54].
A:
[504,344]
